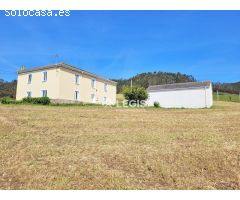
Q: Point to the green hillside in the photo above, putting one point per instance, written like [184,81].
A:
[8,88]
[159,78]
[154,78]
[232,88]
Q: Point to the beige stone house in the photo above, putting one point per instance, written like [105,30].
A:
[65,83]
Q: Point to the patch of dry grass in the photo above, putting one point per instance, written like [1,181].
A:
[109,148]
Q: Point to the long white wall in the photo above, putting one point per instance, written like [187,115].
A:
[60,85]
[189,98]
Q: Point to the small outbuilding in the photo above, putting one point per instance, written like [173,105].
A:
[182,95]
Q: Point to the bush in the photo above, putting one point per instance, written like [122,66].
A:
[7,100]
[39,100]
[156,104]
[43,100]
[28,100]
[137,94]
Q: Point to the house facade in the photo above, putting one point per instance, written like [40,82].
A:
[64,83]
[182,95]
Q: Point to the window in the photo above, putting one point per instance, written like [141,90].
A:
[76,95]
[77,79]
[93,83]
[29,94]
[44,93]
[105,87]
[29,78]
[44,76]
[105,100]
[93,98]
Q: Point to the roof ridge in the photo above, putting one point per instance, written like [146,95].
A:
[62,64]
[193,82]
[179,86]
[90,73]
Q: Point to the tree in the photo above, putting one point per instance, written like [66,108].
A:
[8,89]
[135,94]
[154,78]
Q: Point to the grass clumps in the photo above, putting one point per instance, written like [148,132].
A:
[76,104]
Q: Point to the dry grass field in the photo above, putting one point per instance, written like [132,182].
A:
[47,147]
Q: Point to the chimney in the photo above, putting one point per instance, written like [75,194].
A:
[22,68]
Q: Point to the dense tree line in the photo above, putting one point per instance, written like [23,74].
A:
[153,78]
[159,78]
[8,89]
[232,88]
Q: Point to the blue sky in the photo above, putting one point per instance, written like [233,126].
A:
[120,44]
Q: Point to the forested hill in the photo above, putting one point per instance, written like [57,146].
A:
[8,88]
[154,78]
[233,88]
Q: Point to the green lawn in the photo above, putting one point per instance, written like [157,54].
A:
[226,97]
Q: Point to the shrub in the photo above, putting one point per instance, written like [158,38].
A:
[7,100]
[156,104]
[39,100]
[137,94]
[18,102]
[44,100]
[27,100]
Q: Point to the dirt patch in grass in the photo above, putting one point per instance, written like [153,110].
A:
[44,147]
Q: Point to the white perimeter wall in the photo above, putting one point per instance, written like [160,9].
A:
[190,98]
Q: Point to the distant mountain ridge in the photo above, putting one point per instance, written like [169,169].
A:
[159,78]
[154,78]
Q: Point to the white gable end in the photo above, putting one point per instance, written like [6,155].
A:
[182,98]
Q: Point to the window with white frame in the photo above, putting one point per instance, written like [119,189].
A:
[105,87]
[93,83]
[44,93]
[77,79]
[93,98]
[44,76]
[29,78]
[76,96]
[29,94]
